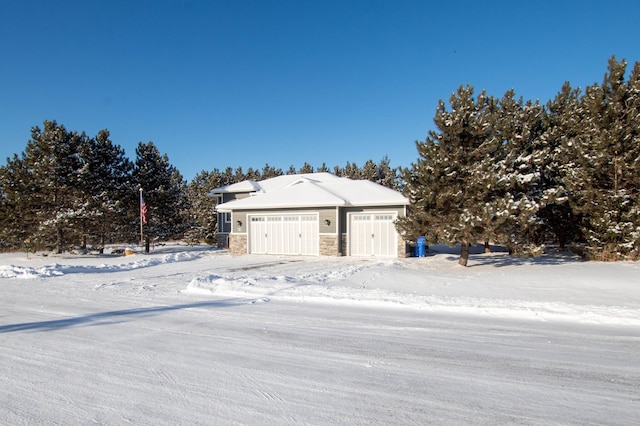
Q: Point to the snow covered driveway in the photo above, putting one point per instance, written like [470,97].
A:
[190,336]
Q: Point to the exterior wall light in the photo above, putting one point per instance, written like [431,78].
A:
[327,222]
[239,222]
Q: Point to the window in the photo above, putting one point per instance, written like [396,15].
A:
[226,217]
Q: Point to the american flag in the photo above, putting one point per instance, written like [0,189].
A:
[143,210]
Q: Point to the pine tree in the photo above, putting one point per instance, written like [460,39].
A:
[519,156]
[202,218]
[227,177]
[558,157]
[50,169]
[292,170]
[105,180]
[352,171]
[252,174]
[306,168]
[18,222]
[323,168]
[369,171]
[388,176]
[164,192]
[606,182]
[445,187]
[269,172]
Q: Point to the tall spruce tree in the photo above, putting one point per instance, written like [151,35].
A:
[49,170]
[606,182]
[270,172]
[202,218]
[164,192]
[323,169]
[105,180]
[306,168]
[388,176]
[18,223]
[446,187]
[557,209]
[519,157]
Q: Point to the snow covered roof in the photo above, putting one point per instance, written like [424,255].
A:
[244,186]
[312,190]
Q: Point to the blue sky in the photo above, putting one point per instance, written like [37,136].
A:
[244,83]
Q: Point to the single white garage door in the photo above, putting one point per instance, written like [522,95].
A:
[284,234]
[373,234]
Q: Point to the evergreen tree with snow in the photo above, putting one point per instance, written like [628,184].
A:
[351,171]
[323,169]
[269,172]
[447,185]
[18,221]
[606,181]
[306,168]
[519,157]
[369,171]
[44,188]
[388,176]
[202,218]
[558,158]
[291,170]
[164,192]
[105,180]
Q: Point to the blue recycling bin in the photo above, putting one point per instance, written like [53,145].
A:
[421,247]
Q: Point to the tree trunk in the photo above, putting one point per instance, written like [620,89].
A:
[59,240]
[487,247]
[464,253]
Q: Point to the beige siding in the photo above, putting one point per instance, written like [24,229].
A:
[328,215]
[239,222]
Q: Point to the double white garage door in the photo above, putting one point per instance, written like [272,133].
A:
[370,234]
[284,234]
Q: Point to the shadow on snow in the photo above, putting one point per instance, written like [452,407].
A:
[99,318]
[499,256]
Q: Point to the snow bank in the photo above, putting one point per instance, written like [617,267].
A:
[55,269]
[495,285]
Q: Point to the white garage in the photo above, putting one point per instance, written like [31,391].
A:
[283,234]
[373,234]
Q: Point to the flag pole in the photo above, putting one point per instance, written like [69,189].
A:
[141,227]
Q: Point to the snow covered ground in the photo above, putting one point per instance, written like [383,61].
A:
[191,335]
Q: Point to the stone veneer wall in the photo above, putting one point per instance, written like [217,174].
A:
[343,243]
[238,243]
[403,249]
[328,245]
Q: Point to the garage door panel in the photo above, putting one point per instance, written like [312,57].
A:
[257,237]
[373,234]
[284,234]
[309,238]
